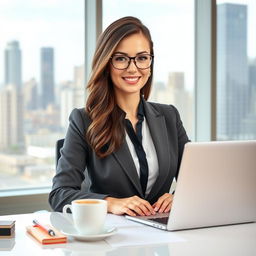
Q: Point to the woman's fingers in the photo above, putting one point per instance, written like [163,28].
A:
[166,203]
[131,206]
[163,204]
[141,206]
[128,211]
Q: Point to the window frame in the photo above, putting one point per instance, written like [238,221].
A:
[18,201]
[205,70]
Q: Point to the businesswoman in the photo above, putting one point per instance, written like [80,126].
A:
[129,149]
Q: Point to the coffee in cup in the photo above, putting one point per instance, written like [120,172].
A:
[88,215]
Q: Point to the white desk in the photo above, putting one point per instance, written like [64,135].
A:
[227,240]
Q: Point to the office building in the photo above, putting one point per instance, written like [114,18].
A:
[176,94]
[67,103]
[47,77]
[11,100]
[158,92]
[79,86]
[11,118]
[13,73]
[252,83]
[30,95]
[232,71]
[181,98]
[72,95]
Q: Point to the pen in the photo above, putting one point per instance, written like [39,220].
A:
[47,230]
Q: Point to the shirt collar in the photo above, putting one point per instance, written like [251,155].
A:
[141,112]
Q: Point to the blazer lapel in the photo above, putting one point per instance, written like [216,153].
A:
[124,158]
[158,130]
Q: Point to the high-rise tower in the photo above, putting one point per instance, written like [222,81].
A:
[232,70]
[13,64]
[11,101]
[47,76]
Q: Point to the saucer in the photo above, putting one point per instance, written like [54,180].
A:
[108,231]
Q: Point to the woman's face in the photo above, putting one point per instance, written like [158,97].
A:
[131,79]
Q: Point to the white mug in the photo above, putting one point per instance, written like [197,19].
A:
[89,215]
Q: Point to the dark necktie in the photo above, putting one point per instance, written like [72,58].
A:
[136,139]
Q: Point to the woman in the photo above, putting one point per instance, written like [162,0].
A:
[130,148]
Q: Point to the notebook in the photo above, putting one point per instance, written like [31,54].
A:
[216,186]
[44,238]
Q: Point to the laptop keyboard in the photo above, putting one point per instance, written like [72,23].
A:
[163,220]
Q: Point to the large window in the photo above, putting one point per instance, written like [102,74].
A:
[41,80]
[236,69]
[172,28]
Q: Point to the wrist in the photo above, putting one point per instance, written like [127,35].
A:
[108,198]
[109,201]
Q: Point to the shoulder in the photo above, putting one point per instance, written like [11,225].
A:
[79,113]
[164,109]
[79,116]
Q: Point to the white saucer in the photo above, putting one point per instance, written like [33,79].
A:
[108,231]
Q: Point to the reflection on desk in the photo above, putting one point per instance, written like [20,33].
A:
[225,240]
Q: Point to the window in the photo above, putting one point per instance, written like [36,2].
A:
[172,29]
[42,80]
[236,70]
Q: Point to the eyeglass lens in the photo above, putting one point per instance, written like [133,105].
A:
[142,61]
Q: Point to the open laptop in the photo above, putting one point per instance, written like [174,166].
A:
[216,186]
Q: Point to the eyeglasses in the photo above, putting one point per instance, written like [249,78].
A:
[141,61]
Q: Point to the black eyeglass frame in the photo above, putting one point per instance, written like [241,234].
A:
[134,61]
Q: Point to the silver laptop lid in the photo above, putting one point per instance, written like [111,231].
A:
[216,185]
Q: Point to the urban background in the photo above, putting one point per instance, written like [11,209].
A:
[34,112]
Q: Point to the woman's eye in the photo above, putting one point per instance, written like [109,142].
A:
[120,58]
[142,58]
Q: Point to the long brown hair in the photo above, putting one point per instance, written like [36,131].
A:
[106,132]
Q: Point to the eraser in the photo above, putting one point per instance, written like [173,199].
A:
[7,228]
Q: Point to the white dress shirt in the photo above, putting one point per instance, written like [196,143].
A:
[149,148]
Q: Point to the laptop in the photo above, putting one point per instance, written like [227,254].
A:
[216,186]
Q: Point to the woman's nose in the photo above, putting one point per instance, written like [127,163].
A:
[132,67]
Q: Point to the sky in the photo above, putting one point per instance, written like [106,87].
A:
[60,24]
[48,23]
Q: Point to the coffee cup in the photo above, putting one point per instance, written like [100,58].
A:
[88,215]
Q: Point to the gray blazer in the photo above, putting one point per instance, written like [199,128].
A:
[116,175]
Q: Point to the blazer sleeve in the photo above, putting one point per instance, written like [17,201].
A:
[72,164]
[182,138]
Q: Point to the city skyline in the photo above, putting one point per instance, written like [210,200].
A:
[173,82]
[37,24]
[69,43]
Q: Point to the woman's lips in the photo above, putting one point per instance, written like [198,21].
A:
[131,80]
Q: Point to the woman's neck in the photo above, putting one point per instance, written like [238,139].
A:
[129,104]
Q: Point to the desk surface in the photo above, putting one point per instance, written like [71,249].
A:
[226,240]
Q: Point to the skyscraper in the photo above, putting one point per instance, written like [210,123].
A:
[11,118]
[232,71]
[30,99]
[252,82]
[13,64]
[47,76]
[11,101]
[67,103]
[180,98]
[79,86]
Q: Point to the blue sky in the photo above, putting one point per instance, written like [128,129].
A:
[35,24]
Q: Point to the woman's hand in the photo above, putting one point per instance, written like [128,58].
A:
[131,206]
[164,203]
